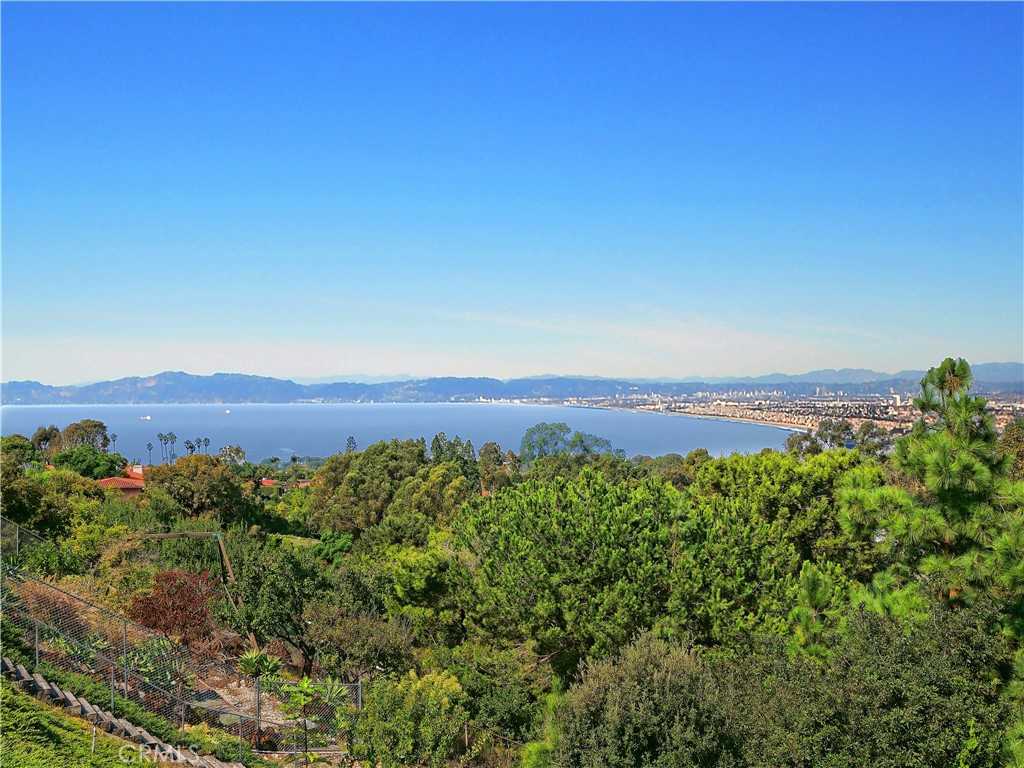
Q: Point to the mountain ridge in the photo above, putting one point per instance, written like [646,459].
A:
[179,387]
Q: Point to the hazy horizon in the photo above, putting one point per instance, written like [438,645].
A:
[365,379]
[650,191]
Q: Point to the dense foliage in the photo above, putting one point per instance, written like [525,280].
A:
[857,599]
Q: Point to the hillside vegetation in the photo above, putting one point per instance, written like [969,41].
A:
[39,736]
[565,605]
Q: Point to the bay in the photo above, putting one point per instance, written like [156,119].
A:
[318,429]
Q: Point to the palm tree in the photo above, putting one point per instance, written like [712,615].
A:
[149,447]
[162,439]
[113,441]
[206,445]
[190,447]
[172,439]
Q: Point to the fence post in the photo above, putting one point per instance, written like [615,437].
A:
[258,720]
[239,738]
[359,695]
[17,541]
[37,644]
[111,687]
[124,646]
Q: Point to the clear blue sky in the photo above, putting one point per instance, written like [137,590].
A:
[657,190]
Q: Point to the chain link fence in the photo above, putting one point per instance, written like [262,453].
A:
[184,688]
[15,540]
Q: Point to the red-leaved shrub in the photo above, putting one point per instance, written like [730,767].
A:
[179,605]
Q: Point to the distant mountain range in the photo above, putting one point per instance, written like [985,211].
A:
[178,387]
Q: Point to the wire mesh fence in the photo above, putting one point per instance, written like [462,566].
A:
[15,540]
[167,679]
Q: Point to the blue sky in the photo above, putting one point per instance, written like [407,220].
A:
[656,190]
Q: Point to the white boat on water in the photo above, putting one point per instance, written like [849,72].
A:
[147,417]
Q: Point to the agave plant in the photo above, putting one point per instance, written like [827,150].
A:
[258,663]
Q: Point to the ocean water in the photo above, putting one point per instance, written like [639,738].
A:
[316,429]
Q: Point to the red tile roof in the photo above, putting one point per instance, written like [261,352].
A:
[267,482]
[124,483]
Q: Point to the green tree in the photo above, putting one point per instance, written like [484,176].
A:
[872,440]
[821,596]
[428,587]
[43,437]
[17,452]
[232,455]
[733,575]
[1011,443]
[276,586]
[884,697]
[953,448]
[799,495]
[350,632]
[835,434]
[576,566]
[545,439]
[958,499]
[204,485]
[303,702]
[462,454]
[653,704]
[497,469]
[681,471]
[422,503]
[803,444]
[502,684]
[48,503]
[84,432]
[353,491]
[411,720]
[90,462]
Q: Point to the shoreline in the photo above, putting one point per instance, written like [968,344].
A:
[740,420]
[785,426]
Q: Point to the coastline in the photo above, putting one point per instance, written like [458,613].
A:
[739,419]
[785,426]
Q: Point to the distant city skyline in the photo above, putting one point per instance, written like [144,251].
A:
[632,191]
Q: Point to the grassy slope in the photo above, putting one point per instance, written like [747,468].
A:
[34,735]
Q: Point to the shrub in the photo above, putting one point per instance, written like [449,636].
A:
[179,605]
[411,720]
[655,705]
